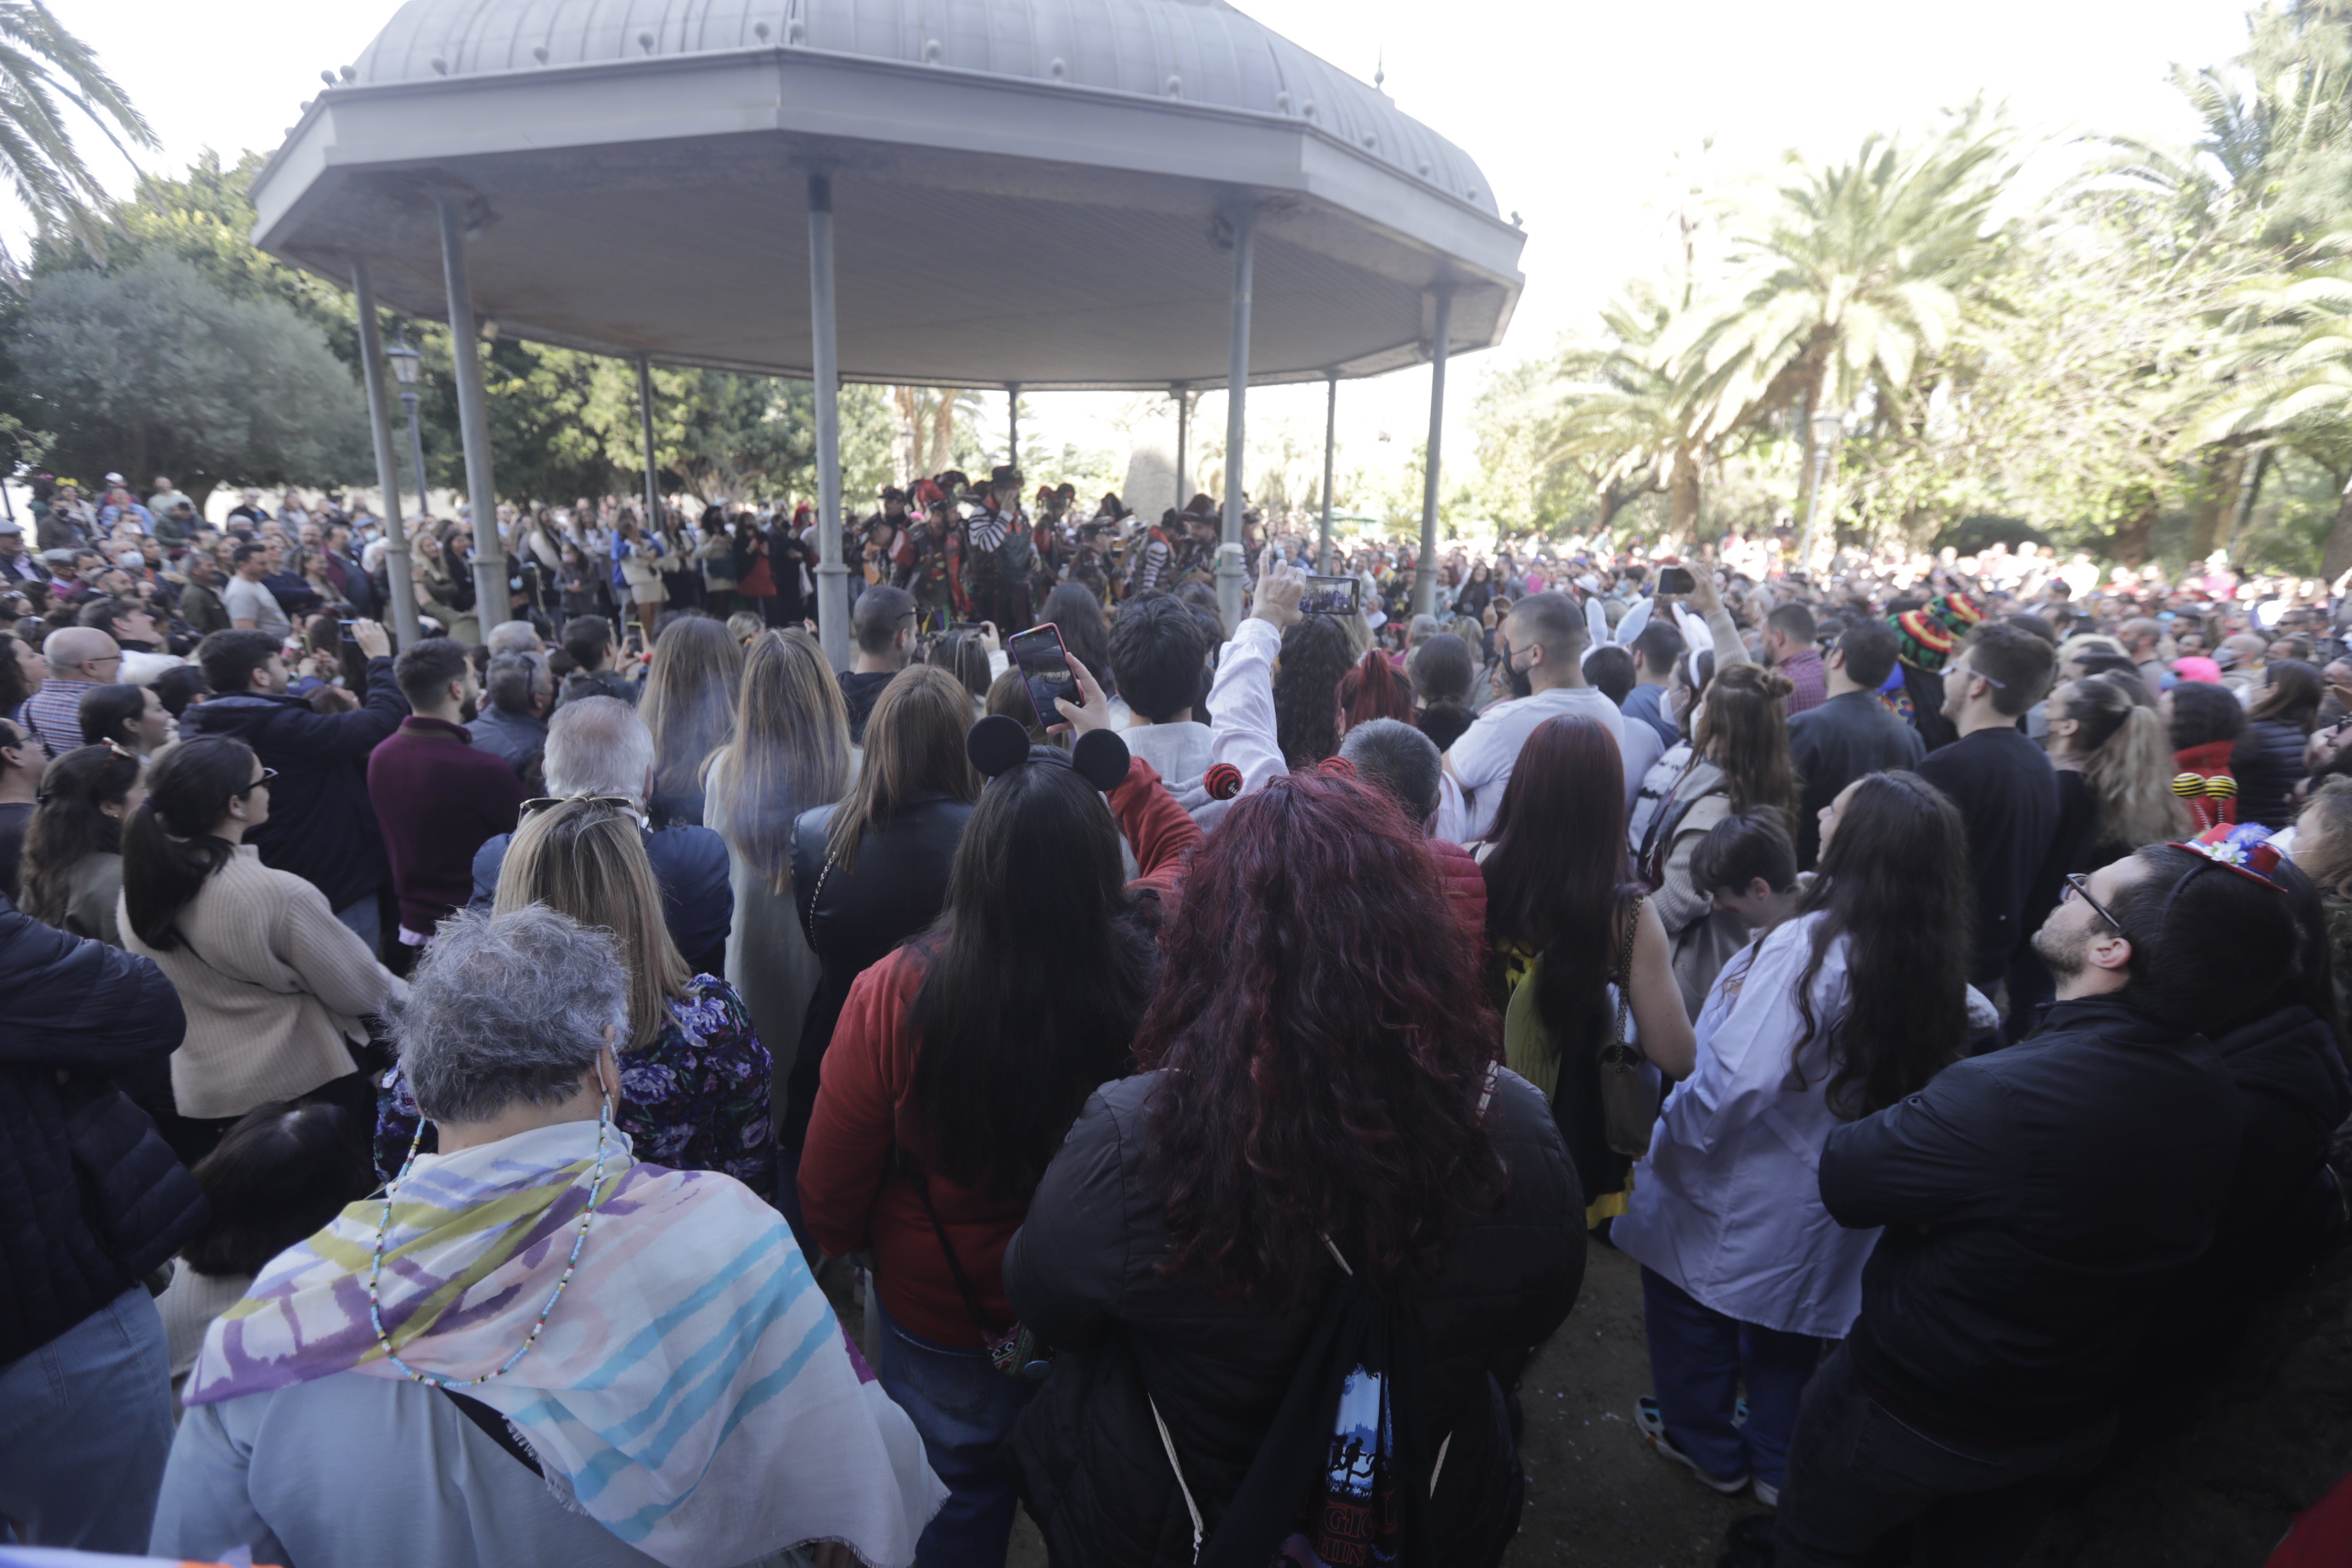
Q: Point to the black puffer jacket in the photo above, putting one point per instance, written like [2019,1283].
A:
[1082,1273]
[2267,761]
[854,918]
[73,1014]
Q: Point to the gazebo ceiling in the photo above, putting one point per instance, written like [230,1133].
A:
[1028,191]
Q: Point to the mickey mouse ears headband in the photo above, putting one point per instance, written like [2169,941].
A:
[998,744]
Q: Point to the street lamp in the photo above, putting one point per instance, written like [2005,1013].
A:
[404,357]
[1829,429]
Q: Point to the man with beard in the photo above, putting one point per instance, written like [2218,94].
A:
[438,797]
[2037,1203]
[1540,649]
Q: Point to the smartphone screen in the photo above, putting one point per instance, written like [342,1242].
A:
[1674,579]
[1045,666]
[347,627]
[1332,596]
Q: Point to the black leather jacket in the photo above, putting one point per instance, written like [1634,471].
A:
[855,917]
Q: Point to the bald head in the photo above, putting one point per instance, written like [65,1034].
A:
[2243,651]
[81,653]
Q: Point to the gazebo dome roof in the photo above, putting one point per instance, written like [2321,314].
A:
[1197,51]
[1044,192]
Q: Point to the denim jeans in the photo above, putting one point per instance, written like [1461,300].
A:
[85,1427]
[1857,1473]
[1699,1357]
[362,916]
[965,1409]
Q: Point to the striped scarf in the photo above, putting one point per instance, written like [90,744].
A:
[692,1392]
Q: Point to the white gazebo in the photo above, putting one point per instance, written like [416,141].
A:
[1023,194]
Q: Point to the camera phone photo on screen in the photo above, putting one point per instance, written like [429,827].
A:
[1331,597]
[1045,666]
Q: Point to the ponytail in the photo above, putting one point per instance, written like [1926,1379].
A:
[169,850]
[2126,763]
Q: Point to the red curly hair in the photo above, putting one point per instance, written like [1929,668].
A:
[1328,1041]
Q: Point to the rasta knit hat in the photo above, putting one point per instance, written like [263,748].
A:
[1922,640]
[1957,610]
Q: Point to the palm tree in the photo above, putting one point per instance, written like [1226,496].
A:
[1857,272]
[1631,414]
[43,69]
[2281,371]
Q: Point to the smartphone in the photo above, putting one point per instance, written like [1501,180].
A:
[965,627]
[347,627]
[1045,666]
[1674,579]
[1332,596]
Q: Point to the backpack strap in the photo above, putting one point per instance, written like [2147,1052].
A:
[1169,1443]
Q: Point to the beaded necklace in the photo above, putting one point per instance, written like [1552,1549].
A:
[384,1227]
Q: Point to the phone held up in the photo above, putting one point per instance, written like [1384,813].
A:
[1045,666]
[1332,596]
[1675,580]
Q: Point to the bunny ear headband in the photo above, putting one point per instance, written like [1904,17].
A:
[998,744]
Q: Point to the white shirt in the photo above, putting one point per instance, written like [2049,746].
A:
[1641,749]
[1485,754]
[1728,1202]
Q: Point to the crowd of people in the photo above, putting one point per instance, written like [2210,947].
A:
[446,1089]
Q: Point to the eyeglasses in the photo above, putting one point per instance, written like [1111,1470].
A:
[266,774]
[2079,886]
[548,802]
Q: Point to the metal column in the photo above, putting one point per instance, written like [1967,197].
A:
[387,461]
[832,574]
[1183,438]
[473,418]
[1330,441]
[1229,548]
[1012,400]
[645,423]
[1425,573]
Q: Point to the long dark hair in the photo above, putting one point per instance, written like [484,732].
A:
[1034,982]
[1557,880]
[68,826]
[1077,615]
[1326,1045]
[168,848]
[280,1175]
[2290,693]
[1315,656]
[107,713]
[1894,882]
[914,746]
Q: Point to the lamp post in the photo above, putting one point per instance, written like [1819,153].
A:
[404,357]
[1829,429]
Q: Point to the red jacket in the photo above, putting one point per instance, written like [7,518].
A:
[849,1196]
[1465,891]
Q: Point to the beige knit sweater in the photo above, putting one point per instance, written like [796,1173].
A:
[273,985]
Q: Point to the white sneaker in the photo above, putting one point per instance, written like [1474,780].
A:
[1652,1426]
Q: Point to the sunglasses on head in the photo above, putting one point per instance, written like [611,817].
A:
[548,802]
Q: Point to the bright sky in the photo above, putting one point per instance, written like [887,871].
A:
[1579,112]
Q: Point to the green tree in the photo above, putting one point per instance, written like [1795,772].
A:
[1856,273]
[43,69]
[153,369]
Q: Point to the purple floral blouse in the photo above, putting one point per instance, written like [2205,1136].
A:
[694,1099]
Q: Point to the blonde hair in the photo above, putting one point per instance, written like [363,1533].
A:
[586,860]
[791,751]
[914,746]
[691,690]
[2126,763]
[2323,836]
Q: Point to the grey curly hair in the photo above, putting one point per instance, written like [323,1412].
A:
[505,1008]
